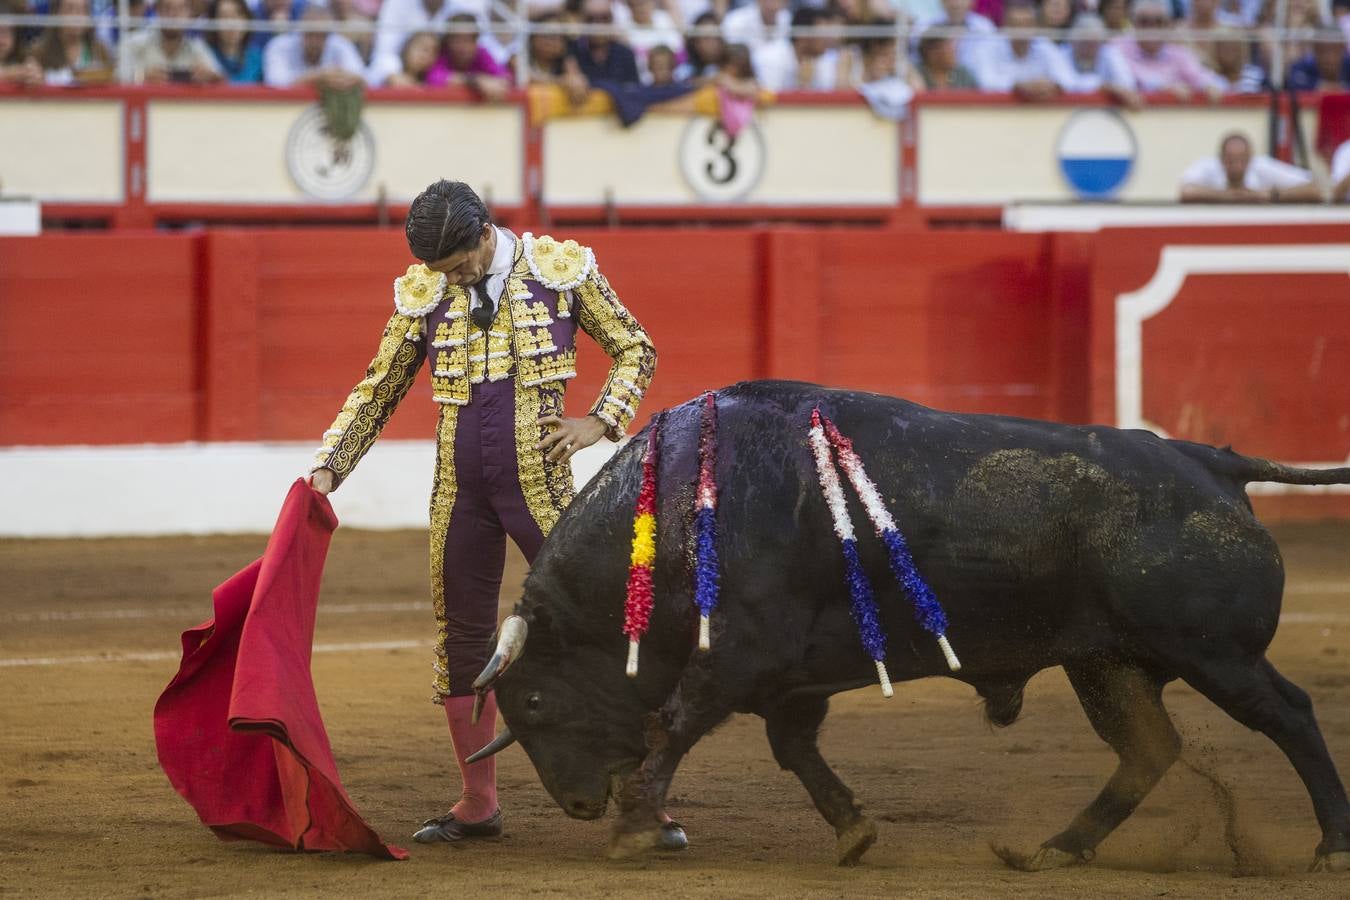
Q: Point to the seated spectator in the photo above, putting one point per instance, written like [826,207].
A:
[1236,176]
[16,65]
[73,54]
[464,62]
[737,74]
[1232,63]
[938,66]
[1340,174]
[802,63]
[419,55]
[167,52]
[1032,68]
[1206,16]
[1115,15]
[705,53]
[882,85]
[546,52]
[1057,14]
[356,25]
[1326,68]
[973,49]
[319,58]
[651,27]
[661,66]
[237,53]
[1239,13]
[599,57]
[1158,65]
[1099,66]
[757,23]
[397,20]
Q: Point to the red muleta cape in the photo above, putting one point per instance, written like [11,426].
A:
[238,729]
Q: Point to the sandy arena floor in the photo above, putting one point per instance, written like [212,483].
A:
[89,636]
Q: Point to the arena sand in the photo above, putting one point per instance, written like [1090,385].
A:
[87,812]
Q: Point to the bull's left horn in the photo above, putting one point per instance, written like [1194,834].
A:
[510,643]
[499,743]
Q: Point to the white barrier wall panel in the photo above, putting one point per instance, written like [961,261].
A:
[270,152]
[61,150]
[989,156]
[829,156]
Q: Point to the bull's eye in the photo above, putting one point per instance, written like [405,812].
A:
[532,702]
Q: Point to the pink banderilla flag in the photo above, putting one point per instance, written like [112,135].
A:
[238,729]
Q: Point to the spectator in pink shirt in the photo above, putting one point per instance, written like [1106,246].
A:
[463,61]
[1158,65]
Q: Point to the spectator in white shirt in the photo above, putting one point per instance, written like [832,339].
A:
[1033,68]
[1340,174]
[1098,66]
[397,20]
[1236,176]
[972,49]
[758,23]
[167,52]
[802,64]
[650,27]
[319,58]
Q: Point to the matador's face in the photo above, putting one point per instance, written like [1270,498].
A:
[466,267]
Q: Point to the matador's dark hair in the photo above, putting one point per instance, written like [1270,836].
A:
[445,218]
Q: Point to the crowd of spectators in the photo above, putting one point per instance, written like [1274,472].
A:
[1036,49]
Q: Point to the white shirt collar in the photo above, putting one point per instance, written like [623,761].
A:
[503,259]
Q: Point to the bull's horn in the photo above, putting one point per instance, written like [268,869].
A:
[510,642]
[499,743]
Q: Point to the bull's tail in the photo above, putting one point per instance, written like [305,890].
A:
[1247,469]
[1265,470]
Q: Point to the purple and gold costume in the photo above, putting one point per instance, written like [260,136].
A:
[492,389]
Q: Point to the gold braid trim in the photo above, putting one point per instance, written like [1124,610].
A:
[443,492]
[546,485]
[373,400]
[618,333]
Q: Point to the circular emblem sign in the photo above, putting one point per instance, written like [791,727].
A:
[1096,152]
[717,166]
[324,167]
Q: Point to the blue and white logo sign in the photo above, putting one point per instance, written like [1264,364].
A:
[1096,152]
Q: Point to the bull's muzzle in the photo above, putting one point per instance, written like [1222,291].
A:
[510,644]
[498,744]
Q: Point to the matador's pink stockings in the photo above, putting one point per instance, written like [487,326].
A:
[479,797]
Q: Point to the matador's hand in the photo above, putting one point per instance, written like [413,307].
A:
[321,480]
[569,436]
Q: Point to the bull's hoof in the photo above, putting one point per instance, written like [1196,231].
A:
[1338,861]
[628,844]
[1044,858]
[854,841]
[672,838]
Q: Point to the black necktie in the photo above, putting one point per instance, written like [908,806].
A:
[482,314]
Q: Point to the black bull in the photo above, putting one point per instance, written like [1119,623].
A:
[1128,559]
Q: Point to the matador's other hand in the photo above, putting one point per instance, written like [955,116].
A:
[321,480]
[569,436]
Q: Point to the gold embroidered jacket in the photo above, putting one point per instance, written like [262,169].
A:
[553,288]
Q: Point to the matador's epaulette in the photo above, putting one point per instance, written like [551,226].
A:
[417,292]
[558,266]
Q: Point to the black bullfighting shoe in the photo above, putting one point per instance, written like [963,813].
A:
[672,837]
[448,828]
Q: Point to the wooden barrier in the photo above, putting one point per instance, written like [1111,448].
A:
[257,334]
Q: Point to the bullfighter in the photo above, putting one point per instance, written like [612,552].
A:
[497,315]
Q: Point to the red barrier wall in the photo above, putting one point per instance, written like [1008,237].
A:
[258,334]
[97,339]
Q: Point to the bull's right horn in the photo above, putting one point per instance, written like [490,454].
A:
[498,744]
[510,643]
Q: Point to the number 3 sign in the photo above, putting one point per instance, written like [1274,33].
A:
[717,166]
